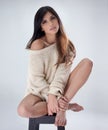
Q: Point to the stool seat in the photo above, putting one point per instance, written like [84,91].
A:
[34,122]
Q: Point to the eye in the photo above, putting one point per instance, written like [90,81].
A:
[44,21]
[53,17]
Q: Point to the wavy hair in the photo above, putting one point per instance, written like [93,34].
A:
[64,45]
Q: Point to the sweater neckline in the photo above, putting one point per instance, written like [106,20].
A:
[46,43]
[43,49]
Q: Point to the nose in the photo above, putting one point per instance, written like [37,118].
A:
[50,23]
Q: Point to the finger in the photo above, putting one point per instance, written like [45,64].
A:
[65,99]
[56,121]
[56,109]
[61,109]
[50,112]
[63,102]
[64,106]
[59,122]
[62,123]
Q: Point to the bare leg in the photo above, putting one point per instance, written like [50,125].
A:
[76,80]
[32,106]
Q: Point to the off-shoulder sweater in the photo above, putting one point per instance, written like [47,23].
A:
[44,77]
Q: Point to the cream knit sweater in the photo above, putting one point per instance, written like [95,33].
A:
[43,76]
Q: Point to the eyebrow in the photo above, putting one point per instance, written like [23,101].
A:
[50,16]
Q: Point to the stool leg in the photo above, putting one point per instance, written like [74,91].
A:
[36,126]
[60,127]
[33,125]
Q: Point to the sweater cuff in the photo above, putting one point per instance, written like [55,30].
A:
[55,91]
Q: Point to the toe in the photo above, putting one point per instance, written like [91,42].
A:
[56,121]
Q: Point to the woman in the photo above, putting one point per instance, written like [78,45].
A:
[51,84]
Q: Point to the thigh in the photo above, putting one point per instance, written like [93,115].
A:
[30,100]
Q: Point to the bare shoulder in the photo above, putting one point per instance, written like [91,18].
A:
[37,45]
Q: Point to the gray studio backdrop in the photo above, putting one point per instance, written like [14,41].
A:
[86,24]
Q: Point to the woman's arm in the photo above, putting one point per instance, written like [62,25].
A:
[36,75]
[61,76]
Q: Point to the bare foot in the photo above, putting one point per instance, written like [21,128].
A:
[75,107]
[60,119]
[64,105]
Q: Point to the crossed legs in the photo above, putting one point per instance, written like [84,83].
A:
[33,106]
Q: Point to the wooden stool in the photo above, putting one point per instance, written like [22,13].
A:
[35,122]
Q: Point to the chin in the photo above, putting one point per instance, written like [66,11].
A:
[53,31]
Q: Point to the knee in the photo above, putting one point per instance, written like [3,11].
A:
[87,62]
[23,111]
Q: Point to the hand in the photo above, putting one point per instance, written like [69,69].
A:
[63,103]
[52,104]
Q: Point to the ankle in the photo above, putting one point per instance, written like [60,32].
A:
[70,106]
[61,111]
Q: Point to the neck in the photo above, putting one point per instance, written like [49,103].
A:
[50,39]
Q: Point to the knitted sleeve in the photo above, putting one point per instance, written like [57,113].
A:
[60,80]
[36,77]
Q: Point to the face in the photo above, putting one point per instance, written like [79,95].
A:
[50,24]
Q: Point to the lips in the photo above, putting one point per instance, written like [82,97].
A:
[53,28]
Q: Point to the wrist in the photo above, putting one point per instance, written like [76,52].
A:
[51,95]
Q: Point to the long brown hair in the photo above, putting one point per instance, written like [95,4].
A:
[65,47]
